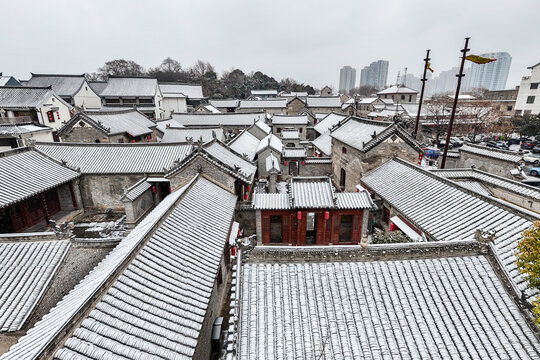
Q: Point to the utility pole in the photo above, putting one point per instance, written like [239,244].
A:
[451,123]
[424,79]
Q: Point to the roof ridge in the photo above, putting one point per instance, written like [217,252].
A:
[28,87]
[58,75]
[85,144]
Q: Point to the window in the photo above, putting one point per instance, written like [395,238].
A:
[146,101]
[86,88]
[278,130]
[275,229]
[402,97]
[509,108]
[386,215]
[301,130]
[112,101]
[410,98]
[534,86]
[129,101]
[345,229]
[342,176]
[343,150]
[526,112]
[530,99]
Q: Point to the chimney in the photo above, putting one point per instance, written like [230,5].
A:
[272,182]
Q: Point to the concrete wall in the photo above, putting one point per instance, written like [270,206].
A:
[100,192]
[356,163]
[485,163]
[87,98]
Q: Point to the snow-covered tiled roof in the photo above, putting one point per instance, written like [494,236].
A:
[136,190]
[263,104]
[492,153]
[262,125]
[290,120]
[271,201]
[397,90]
[323,102]
[271,141]
[329,122]
[130,122]
[366,100]
[319,160]
[191,91]
[137,158]
[434,308]
[324,143]
[354,200]
[26,268]
[311,193]
[19,129]
[491,179]
[25,173]
[272,163]
[264,92]
[22,97]
[475,186]
[446,212]
[154,287]
[228,103]
[290,152]
[290,134]
[130,87]
[172,134]
[245,143]
[223,119]
[63,85]
[358,132]
[223,153]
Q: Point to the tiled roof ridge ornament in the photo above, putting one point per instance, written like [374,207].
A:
[31,142]
[63,231]
[364,241]
[484,236]
[374,135]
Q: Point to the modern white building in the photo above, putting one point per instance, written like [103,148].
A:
[375,74]
[491,76]
[347,78]
[528,98]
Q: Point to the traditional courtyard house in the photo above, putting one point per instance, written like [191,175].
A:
[108,170]
[39,105]
[191,134]
[128,92]
[73,89]
[17,135]
[179,97]
[413,301]
[323,104]
[269,146]
[271,106]
[206,109]
[227,105]
[495,161]
[326,91]
[8,81]
[360,145]
[328,122]
[290,137]
[490,185]
[232,123]
[295,105]
[295,122]
[365,105]
[156,295]
[448,212]
[399,94]
[219,163]
[124,126]
[302,95]
[34,189]
[311,213]
[389,113]
[263,94]
[294,159]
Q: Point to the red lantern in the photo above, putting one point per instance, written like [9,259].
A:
[170,189]
[392,226]
[248,188]
[285,163]
[133,140]
[153,188]
[299,215]
[303,163]
[357,190]
[326,215]
[420,159]
[233,251]
[245,196]
[238,235]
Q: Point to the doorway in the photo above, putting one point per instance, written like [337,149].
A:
[311,228]
[293,168]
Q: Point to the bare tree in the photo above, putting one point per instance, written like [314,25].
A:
[120,67]
[477,118]
[438,111]
[201,68]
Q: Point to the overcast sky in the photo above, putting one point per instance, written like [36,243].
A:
[305,40]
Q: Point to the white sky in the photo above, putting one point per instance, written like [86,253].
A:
[306,40]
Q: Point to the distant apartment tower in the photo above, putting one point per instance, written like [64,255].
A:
[347,78]
[375,74]
[490,76]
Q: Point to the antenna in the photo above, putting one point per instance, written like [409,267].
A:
[397,79]
[404,76]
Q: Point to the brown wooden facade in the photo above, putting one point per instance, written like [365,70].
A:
[284,227]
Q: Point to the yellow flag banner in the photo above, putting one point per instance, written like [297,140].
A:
[428,66]
[479,59]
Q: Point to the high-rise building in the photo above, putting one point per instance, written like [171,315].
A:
[347,78]
[491,76]
[375,74]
